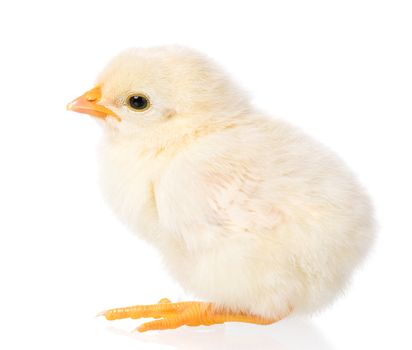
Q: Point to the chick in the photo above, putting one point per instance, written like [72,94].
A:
[248,213]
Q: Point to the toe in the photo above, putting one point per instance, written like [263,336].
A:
[164,323]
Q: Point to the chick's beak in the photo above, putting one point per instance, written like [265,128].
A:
[88,104]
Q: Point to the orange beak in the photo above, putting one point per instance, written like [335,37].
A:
[88,104]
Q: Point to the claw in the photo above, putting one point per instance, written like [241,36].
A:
[101,313]
[164,300]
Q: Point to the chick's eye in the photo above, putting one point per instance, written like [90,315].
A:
[138,102]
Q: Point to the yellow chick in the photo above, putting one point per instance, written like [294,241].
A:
[249,213]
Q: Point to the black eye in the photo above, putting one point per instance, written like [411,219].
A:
[138,102]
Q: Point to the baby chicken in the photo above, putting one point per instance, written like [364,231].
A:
[249,213]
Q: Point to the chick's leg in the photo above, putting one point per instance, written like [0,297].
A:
[173,315]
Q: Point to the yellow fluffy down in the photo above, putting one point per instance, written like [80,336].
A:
[247,211]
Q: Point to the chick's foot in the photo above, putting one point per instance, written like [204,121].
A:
[173,315]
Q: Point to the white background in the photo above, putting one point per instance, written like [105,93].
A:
[339,69]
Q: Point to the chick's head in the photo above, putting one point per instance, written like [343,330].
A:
[144,88]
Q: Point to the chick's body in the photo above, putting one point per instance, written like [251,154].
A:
[247,211]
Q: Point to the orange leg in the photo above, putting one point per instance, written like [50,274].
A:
[189,313]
